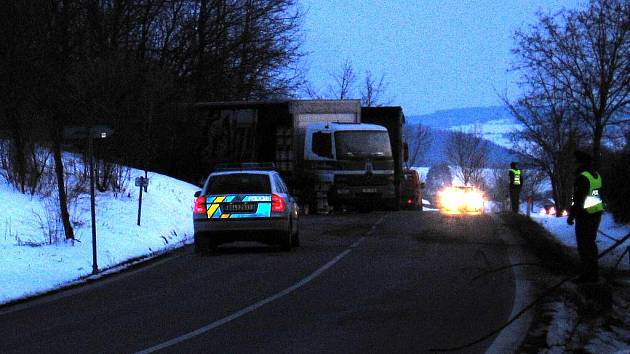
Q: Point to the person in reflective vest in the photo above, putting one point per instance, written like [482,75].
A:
[516,182]
[586,211]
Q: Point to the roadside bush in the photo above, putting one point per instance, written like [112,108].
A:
[23,168]
[616,189]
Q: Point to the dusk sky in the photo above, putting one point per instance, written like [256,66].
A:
[435,54]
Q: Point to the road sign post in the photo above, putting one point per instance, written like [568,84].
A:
[91,133]
[530,205]
[92,203]
[143,183]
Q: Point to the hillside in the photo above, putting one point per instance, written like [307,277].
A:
[451,118]
[436,153]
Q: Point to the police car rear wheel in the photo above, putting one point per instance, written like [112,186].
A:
[286,239]
[203,244]
[296,239]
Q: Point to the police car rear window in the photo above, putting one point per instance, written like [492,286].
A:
[238,183]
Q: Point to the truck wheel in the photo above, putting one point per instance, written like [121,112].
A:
[392,205]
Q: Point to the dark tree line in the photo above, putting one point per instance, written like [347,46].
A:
[132,65]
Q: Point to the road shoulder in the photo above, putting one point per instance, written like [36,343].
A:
[511,337]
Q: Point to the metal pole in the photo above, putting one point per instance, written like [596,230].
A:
[92,202]
[140,200]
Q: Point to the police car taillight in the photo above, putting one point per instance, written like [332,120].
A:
[277,203]
[200,205]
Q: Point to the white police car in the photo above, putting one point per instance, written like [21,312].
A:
[246,203]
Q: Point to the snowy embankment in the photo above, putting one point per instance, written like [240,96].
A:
[29,265]
[609,232]
[577,322]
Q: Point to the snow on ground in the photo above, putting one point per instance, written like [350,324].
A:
[580,325]
[29,265]
[576,322]
[498,130]
[609,231]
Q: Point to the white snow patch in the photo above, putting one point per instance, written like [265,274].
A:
[565,233]
[597,339]
[29,265]
[498,130]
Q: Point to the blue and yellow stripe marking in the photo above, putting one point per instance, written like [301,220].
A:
[263,209]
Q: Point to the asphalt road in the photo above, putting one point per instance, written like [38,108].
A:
[360,283]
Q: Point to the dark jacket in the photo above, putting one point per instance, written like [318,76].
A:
[581,188]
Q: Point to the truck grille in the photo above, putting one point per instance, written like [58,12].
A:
[362,180]
[360,164]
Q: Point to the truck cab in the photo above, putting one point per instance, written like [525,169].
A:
[354,160]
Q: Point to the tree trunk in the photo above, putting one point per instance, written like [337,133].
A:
[597,143]
[63,198]
[18,149]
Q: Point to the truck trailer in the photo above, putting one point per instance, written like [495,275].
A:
[324,151]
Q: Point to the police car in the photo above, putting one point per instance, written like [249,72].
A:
[249,202]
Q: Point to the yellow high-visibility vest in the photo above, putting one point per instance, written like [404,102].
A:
[517,176]
[593,202]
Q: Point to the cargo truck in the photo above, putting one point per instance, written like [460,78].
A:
[321,147]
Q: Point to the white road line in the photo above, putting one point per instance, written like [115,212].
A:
[510,338]
[369,233]
[357,242]
[249,308]
[259,304]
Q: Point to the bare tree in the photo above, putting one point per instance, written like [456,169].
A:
[419,138]
[310,91]
[468,153]
[373,90]
[499,189]
[344,81]
[549,135]
[438,177]
[586,53]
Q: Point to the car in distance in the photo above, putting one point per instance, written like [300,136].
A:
[411,190]
[461,200]
[245,204]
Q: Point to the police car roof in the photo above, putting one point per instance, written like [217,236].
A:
[346,126]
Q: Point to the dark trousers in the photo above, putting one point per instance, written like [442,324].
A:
[586,226]
[514,198]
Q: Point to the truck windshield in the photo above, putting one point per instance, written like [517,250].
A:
[364,143]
